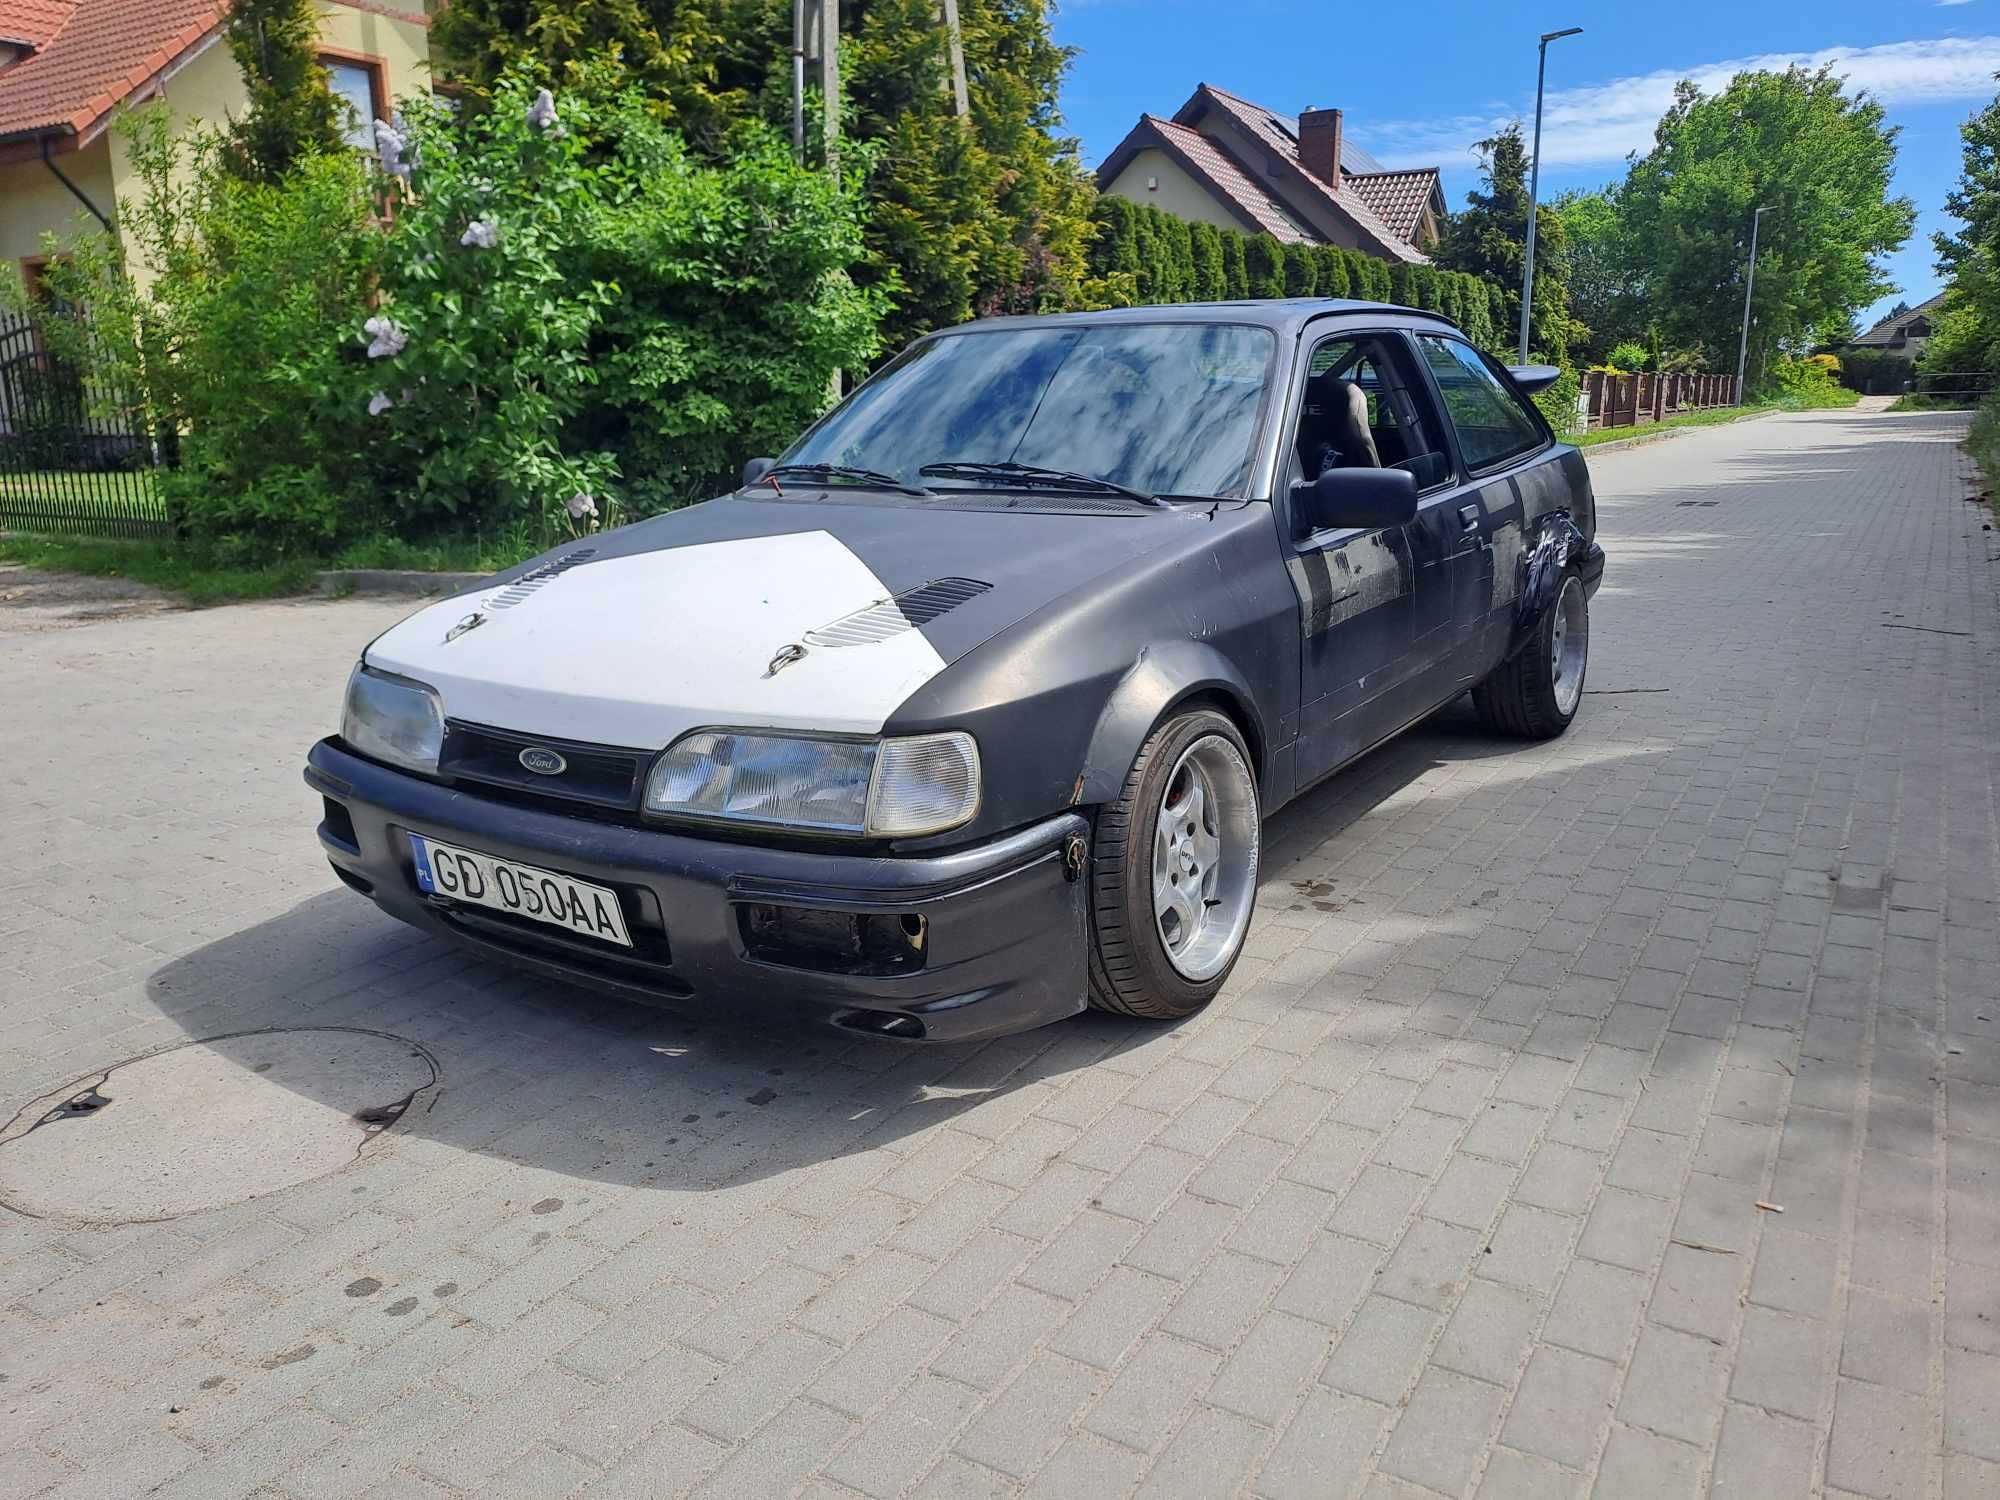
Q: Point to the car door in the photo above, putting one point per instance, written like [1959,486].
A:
[1507,457]
[1357,590]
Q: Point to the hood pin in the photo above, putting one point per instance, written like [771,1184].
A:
[471,622]
[786,656]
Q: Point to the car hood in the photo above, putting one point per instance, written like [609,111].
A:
[737,612]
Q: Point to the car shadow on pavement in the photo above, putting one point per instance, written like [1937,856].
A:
[566,1079]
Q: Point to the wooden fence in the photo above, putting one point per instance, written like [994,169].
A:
[1633,400]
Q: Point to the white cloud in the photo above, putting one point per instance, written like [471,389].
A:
[1954,2]
[1599,124]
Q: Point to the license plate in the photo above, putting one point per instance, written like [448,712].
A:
[519,890]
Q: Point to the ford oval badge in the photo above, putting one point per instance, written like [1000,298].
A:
[543,762]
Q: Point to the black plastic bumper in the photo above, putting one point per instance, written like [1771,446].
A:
[1590,568]
[1001,924]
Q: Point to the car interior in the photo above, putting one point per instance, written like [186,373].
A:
[1361,413]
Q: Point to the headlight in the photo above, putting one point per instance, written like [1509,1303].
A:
[886,788]
[393,719]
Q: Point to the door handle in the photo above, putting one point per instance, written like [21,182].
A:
[1469,514]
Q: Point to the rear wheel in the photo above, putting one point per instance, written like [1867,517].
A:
[1174,871]
[1537,693]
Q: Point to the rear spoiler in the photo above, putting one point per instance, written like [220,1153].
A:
[1534,379]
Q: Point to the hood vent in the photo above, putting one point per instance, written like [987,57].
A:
[534,578]
[891,617]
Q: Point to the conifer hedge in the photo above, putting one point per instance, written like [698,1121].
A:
[1143,254]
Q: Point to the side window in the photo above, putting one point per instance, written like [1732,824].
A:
[1366,407]
[1492,422]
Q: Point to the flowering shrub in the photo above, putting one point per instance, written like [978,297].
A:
[546,313]
[579,322]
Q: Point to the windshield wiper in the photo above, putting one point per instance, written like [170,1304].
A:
[1026,474]
[873,477]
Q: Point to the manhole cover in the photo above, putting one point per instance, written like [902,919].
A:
[209,1123]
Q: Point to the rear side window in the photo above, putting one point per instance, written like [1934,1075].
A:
[1493,424]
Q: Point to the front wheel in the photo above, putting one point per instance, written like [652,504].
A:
[1538,692]
[1174,871]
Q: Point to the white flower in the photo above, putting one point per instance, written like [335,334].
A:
[386,337]
[389,143]
[581,505]
[542,113]
[481,234]
[379,403]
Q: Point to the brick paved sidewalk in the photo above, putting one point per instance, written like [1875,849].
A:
[1455,1191]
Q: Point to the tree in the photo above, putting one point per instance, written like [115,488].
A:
[293,114]
[1794,142]
[1963,332]
[967,217]
[1211,282]
[1604,294]
[1235,267]
[1488,239]
[1301,270]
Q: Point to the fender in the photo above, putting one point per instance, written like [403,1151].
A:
[1557,546]
[1164,674]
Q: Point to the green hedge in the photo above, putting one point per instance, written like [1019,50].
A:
[1143,254]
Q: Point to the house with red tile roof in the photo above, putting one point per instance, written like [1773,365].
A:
[1224,160]
[68,68]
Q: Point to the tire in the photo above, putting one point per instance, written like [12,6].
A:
[1536,694]
[1197,764]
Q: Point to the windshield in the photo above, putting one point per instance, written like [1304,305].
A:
[1166,408]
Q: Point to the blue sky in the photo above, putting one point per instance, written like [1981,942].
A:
[1420,80]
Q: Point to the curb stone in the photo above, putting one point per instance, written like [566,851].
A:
[408,582]
[1643,438]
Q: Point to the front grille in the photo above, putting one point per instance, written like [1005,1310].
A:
[603,775]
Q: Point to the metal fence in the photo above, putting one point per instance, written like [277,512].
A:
[1609,400]
[74,454]
[1968,386]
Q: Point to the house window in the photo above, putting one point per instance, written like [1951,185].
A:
[360,85]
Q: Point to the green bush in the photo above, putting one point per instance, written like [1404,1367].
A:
[1629,355]
[1808,383]
[238,338]
[1557,404]
[584,310]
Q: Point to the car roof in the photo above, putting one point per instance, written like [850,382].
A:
[1284,315]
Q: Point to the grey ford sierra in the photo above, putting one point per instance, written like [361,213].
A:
[967,711]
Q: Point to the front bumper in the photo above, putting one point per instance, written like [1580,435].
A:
[996,932]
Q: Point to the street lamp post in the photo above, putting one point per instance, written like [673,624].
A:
[1749,282]
[1535,183]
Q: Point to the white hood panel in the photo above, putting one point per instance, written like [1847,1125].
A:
[635,651]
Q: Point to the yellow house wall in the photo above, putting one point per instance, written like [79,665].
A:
[1179,192]
[206,89]
[34,201]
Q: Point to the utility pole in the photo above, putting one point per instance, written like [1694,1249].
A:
[1535,185]
[1749,282]
[829,77]
[799,80]
[961,99]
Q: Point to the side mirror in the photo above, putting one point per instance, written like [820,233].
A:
[756,468]
[1534,379]
[1366,498]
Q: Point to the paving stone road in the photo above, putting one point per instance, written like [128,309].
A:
[1456,1191]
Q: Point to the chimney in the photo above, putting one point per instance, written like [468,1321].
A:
[1319,145]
